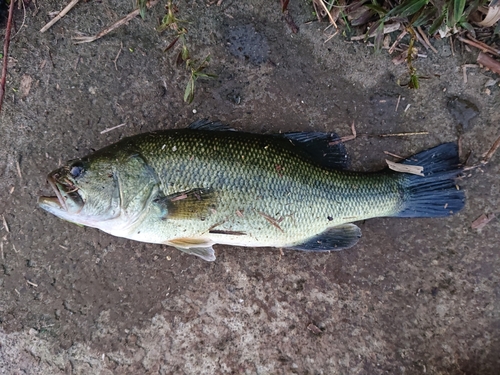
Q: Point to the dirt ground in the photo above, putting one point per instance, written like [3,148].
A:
[415,296]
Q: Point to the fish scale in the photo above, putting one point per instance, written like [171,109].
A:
[192,188]
[278,183]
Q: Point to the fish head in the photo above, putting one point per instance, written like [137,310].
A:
[110,189]
[86,192]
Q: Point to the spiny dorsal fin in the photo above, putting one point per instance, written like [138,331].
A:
[336,238]
[326,149]
[205,124]
[190,204]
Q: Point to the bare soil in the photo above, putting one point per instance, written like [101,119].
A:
[414,296]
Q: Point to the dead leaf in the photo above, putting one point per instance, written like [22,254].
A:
[405,168]
[492,17]
[25,85]
[481,221]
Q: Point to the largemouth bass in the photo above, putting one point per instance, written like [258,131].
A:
[192,188]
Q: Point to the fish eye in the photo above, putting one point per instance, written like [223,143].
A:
[76,171]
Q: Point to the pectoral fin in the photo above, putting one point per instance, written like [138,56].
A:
[194,246]
[190,204]
[336,238]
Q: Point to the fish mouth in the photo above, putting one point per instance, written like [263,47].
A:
[65,191]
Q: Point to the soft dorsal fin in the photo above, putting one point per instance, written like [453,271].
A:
[189,204]
[205,124]
[336,238]
[326,149]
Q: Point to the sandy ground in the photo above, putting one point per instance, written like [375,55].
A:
[418,296]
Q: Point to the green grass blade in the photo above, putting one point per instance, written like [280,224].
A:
[142,8]
[407,8]
[189,92]
[458,10]
[437,23]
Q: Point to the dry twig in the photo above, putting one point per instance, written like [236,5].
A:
[59,16]
[480,45]
[491,152]
[6,53]
[117,24]
[488,62]
[113,128]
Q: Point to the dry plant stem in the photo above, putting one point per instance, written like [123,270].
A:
[6,53]
[491,151]
[401,134]
[424,36]
[346,138]
[480,45]
[124,20]
[398,39]
[59,16]
[393,155]
[488,62]
[332,21]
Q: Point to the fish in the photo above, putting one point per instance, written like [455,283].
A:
[208,184]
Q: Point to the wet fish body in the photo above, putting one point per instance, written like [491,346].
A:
[191,188]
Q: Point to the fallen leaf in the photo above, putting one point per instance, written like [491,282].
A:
[25,85]
[404,168]
[492,17]
[481,221]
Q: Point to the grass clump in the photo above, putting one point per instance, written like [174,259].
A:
[417,20]
[195,67]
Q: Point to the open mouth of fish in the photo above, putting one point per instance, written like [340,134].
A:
[64,190]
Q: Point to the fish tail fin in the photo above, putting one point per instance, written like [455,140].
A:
[435,194]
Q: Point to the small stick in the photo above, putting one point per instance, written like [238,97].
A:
[118,55]
[18,167]
[480,45]
[393,155]
[397,104]
[327,12]
[424,36]
[421,40]
[491,151]
[347,138]
[271,220]
[117,24]
[5,224]
[396,42]
[32,284]
[113,128]
[401,134]
[1,250]
[59,16]
[488,62]
[6,53]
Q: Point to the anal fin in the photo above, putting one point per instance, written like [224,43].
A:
[333,239]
